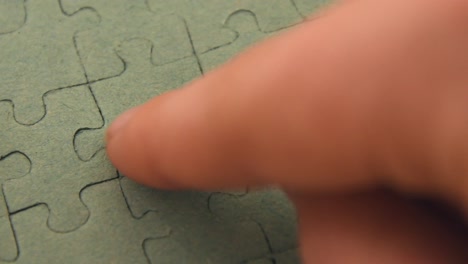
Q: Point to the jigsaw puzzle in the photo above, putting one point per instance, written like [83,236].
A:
[123,20]
[269,207]
[69,68]
[141,80]
[40,56]
[111,234]
[205,18]
[13,165]
[57,175]
[245,25]
[190,219]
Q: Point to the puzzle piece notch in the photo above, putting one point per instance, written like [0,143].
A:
[45,39]
[198,236]
[141,81]
[309,7]
[12,165]
[57,175]
[127,19]
[12,16]
[205,18]
[269,207]
[111,235]
[245,24]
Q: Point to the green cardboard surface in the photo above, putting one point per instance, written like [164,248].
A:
[68,69]
[12,16]
[13,165]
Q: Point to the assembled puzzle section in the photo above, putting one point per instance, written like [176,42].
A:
[269,207]
[197,235]
[57,175]
[111,234]
[40,56]
[70,67]
[123,20]
[141,81]
[13,165]
[245,25]
[205,18]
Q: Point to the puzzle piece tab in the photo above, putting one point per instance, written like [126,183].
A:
[205,18]
[111,235]
[12,15]
[269,207]
[127,19]
[12,165]
[39,57]
[141,81]
[197,235]
[245,25]
[57,175]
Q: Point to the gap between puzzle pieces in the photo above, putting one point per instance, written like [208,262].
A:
[46,38]
[57,175]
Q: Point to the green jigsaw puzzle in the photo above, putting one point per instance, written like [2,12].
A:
[69,68]
[146,80]
[190,218]
[13,165]
[270,208]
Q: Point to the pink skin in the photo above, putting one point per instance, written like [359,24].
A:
[371,93]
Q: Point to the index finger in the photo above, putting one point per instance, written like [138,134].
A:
[309,109]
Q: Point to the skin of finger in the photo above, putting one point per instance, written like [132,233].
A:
[327,106]
[377,228]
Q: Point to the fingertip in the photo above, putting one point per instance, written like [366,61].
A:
[127,153]
[118,124]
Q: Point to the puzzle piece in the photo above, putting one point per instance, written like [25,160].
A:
[205,18]
[39,57]
[286,257]
[244,23]
[111,235]
[197,235]
[57,175]
[12,15]
[269,207]
[127,19]
[308,7]
[141,81]
[12,165]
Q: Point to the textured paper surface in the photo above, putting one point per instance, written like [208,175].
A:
[69,68]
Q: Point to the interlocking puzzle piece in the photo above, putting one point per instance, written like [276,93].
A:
[57,175]
[12,165]
[205,18]
[127,19]
[39,57]
[308,7]
[141,81]
[286,257]
[245,24]
[12,15]
[111,235]
[197,235]
[269,207]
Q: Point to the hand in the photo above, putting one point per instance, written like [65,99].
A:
[371,94]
